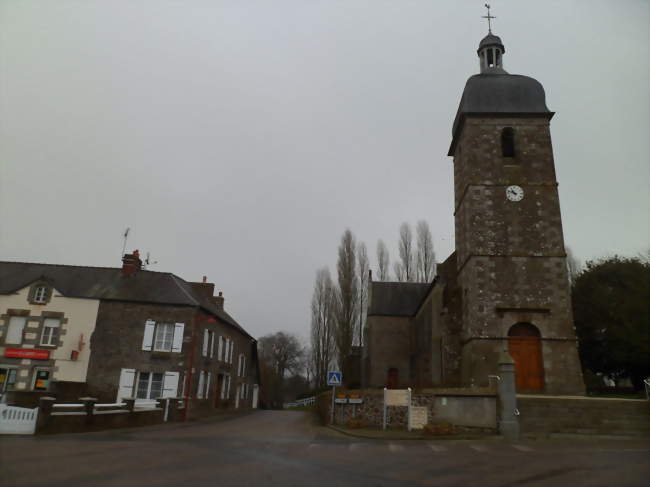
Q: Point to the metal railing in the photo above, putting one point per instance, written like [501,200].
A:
[308,401]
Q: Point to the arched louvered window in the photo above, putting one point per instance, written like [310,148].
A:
[508,142]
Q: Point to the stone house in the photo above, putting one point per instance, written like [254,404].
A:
[121,332]
[505,287]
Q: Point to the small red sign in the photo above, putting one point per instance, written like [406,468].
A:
[27,353]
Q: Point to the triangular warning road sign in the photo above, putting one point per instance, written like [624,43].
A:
[334,379]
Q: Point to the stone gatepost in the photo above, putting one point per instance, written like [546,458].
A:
[130,403]
[45,406]
[509,422]
[89,407]
[172,409]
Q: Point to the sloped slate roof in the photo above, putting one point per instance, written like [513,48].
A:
[108,283]
[396,298]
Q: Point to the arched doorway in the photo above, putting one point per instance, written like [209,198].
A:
[525,347]
[392,381]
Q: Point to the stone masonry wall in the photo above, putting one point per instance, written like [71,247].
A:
[511,256]
[461,407]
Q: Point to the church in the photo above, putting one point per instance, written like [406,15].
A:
[505,287]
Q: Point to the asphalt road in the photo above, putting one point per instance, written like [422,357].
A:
[283,449]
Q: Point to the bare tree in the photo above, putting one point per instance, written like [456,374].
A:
[280,354]
[363,266]
[323,326]
[406,255]
[398,270]
[572,265]
[347,299]
[426,257]
[383,261]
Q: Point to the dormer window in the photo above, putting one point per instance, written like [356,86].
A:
[40,293]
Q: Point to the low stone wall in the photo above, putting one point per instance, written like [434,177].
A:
[466,407]
[541,415]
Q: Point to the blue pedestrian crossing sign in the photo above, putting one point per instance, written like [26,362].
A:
[334,378]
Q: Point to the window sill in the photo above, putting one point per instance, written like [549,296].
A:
[161,355]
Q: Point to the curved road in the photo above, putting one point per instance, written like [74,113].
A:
[284,448]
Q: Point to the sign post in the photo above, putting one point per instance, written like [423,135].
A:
[334,378]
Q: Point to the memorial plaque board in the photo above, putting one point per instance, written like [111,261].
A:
[397,397]
[418,418]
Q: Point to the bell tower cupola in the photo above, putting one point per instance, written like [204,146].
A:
[490,53]
[490,49]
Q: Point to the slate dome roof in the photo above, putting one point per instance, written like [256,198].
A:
[497,93]
[491,40]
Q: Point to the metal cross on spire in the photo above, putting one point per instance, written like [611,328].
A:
[489,18]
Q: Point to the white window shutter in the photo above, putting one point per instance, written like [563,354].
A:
[199,391]
[232,349]
[220,348]
[177,343]
[228,388]
[15,331]
[125,388]
[170,384]
[207,386]
[211,344]
[147,339]
[243,365]
[206,338]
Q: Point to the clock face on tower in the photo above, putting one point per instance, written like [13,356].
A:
[514,193]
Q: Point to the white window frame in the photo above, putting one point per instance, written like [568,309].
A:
[40,294]
[52,334]
[170,338]
[136,384]
[232,349]
[212,334]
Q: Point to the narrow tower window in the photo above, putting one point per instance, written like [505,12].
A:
[508,142]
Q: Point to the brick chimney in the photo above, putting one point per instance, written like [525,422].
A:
[218,300]
[131,263]
[204,288]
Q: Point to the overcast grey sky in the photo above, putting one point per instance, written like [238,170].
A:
[238,139]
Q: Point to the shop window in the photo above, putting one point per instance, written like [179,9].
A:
[41,379]
[50,336]
[7,379]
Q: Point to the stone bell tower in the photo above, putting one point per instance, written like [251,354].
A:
[511,260]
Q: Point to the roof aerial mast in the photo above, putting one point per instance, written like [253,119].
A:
[126,235]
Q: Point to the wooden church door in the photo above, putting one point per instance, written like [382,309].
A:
[525,348]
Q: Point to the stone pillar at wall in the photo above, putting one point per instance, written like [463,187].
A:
[508,420]
[44,411]
[89,407]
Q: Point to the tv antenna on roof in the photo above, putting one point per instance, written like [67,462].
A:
[126,235]
[148,262]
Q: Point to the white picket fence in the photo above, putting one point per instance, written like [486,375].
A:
[17,421]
